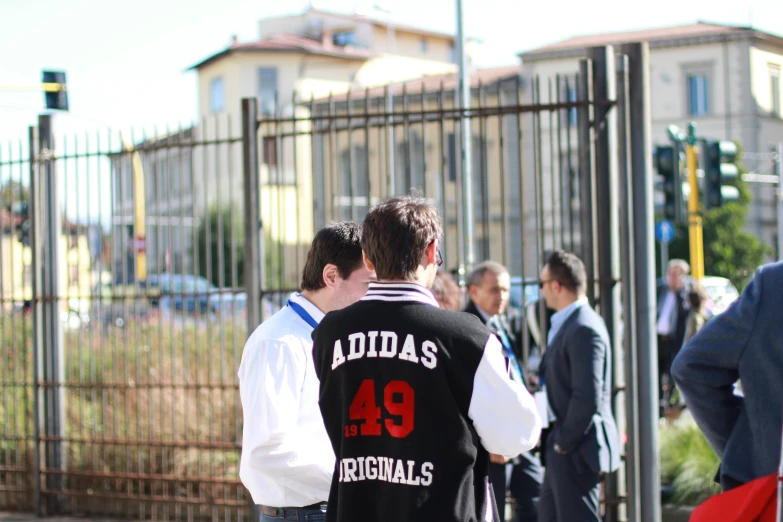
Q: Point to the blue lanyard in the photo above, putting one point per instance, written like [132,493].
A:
[301,312]
[516,369]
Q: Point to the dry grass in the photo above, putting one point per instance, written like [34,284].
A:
[155,398]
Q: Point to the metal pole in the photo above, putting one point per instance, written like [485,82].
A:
[694,217]
[390,141]
[52,328]
[467,136]
[587,173]
[630,375]
[779,168]
[253,226]
[608,221]
[35,308]
[644,251]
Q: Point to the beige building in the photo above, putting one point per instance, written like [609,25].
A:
[353,162]
[295,59]
[75,277]
[314,54]
[724,78]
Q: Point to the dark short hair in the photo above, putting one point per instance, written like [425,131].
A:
[396,234]
[337,244]
[476,276]
[568,270]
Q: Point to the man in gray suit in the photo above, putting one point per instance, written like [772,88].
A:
[576,372]
[743,343]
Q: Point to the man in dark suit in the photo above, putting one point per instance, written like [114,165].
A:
[489,287]
[583,443]
[673,308]
[743,344]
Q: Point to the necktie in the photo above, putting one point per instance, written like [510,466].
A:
[516,370]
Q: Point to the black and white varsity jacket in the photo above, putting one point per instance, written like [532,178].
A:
[413,397]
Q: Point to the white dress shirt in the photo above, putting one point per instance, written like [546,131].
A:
[287,459]
[664,326]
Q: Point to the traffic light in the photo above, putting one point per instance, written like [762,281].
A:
[719,168]
[55,92]
[667,160]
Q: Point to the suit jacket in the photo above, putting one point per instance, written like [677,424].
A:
[682,309]
[745,342]
[508,327]
[577,372]
[528,459]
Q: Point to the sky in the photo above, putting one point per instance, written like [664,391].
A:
[127,62]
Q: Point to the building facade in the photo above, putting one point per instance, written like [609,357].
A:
[725,79]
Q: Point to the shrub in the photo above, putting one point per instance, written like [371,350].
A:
[688,463]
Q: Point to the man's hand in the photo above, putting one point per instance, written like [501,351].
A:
[498,459]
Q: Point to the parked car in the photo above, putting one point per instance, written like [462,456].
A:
[191,294]
[720,292]
[114,304]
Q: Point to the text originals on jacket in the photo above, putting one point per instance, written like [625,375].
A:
[366,345]
[387,470]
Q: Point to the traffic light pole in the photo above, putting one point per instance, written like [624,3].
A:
[694,216]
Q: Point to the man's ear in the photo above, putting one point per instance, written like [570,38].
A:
[330,275]
[367,263]
[472,290]
[432,252]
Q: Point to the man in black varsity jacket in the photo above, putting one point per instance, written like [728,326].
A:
[414,397]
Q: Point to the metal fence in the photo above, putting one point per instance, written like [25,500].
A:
[133,266]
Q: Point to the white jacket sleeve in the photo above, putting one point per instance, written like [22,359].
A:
[503,412]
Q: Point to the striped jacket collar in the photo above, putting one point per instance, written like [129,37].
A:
[399,291]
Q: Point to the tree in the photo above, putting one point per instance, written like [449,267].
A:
[12,192]
[729,250]
[229,246]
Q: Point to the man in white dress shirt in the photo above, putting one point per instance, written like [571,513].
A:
[287,459]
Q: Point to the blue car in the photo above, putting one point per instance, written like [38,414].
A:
[184,293]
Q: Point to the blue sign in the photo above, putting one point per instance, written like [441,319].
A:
[664,231]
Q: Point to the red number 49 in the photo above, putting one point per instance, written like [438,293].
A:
[398,400]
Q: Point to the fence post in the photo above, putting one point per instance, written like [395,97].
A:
[607,214]
[587,173]
[52,340]
[641,150]
[35,310]
[630,373]
[253,226]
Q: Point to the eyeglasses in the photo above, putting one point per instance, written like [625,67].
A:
[439,258]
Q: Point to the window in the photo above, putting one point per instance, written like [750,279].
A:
[409,163]
[452,53]
[216,94]
[451,144]
[698,100]
[354,183]
[423,45]
[344,38]
[774,85]
[267,90]
[270,151]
